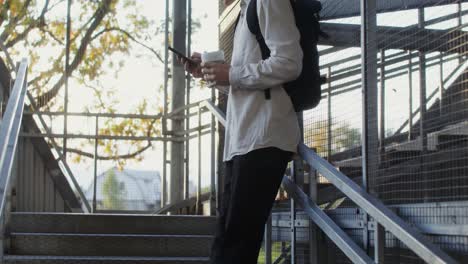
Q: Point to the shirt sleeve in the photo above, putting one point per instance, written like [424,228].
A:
[282,37]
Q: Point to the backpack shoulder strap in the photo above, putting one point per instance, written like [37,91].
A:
[254,27]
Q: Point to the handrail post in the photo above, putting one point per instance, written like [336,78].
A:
[297,176]
[199,205]
[165,106]
[441,86]
[313,230]
[214,203]
[95,166]
[329,115]
[268,241]
[410,101]
[293,216]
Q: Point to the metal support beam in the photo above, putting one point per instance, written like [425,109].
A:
[293,217]
[411,38]
[214,202]
[179,20]
[388,219]
[333,9]
[369,101]
[313,230]
[332,230]
[379,244]
[187,102]
[329,115]
[441,84]
[199,202]
[67,74]
[95,166]
[165,106]
[382,102]
[220,116]
[422,106]
[410,99]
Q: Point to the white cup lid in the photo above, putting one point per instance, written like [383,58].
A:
[212,56]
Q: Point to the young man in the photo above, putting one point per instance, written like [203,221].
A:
[262,131]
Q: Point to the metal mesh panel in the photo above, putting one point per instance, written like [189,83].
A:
[419,138]
[422,156]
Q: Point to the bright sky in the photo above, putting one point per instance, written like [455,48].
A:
[141,78]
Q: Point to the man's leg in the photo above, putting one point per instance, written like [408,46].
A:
[217,247]
[254,183]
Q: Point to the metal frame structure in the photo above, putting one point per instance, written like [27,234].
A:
[377,218]
[371,205]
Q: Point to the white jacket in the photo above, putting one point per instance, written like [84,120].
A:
[252,121]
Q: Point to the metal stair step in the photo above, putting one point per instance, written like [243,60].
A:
[111,224]
[101,260]
[110,245]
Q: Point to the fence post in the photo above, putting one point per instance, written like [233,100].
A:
[370,137]
[410,84]
[199,204]
[422,107]
[268,241]
[95,164]
[313,230]
[329,116]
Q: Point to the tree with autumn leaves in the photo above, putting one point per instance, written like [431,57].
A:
[101,31]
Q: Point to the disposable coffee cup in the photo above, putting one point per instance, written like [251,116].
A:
[214,56]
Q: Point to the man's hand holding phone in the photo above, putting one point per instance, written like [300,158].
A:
[193,66]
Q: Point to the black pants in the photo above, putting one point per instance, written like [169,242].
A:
[250,188]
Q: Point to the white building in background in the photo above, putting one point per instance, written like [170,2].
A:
[138,190]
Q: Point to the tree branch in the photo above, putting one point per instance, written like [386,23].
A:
[132,38]
[52,35]
[99,15]
[124,156]
[14,21]
[4,10]
[37,23]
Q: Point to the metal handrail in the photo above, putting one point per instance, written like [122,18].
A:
[9,131]
[375,208]
[328,226]
[414,240]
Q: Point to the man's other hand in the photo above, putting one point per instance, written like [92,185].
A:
[192,68]
[216,72]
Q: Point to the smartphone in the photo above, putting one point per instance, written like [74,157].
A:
[180,54]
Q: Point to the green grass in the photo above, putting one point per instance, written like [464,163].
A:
[276,252]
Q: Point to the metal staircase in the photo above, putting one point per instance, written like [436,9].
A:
[85,238]
[96,238]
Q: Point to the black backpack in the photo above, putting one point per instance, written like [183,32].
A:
[305,91]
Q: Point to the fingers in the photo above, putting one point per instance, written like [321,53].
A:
[209,77]
[196,55]
[209,70]
[209,64]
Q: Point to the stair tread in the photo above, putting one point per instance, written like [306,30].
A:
[12,259]
[109,235]
[121,224]
[29,257]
